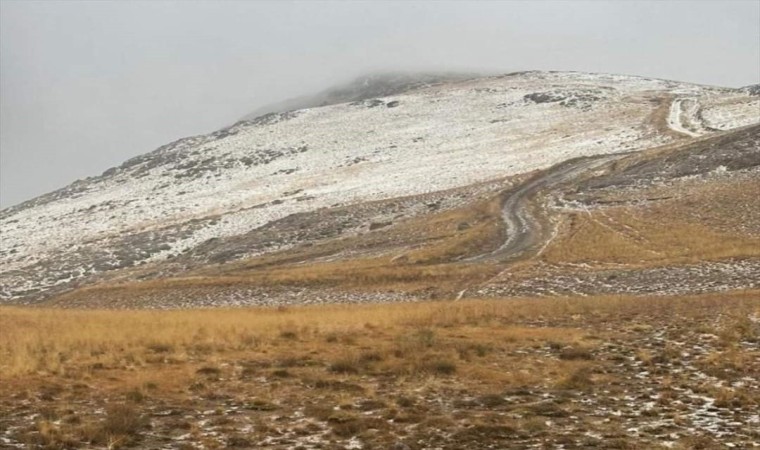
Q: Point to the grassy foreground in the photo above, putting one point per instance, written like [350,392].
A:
[612,372]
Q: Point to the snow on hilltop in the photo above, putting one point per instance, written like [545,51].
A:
[431,137]
[362,88]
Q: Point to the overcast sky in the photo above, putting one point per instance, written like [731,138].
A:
[86,85]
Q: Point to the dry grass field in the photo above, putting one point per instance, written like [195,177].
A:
[602,303]
[604,372]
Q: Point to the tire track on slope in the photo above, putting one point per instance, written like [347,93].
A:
[524,230]
[691,125]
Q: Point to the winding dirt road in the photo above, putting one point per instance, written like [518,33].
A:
[525,230]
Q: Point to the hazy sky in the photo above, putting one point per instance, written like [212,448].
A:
[86,85]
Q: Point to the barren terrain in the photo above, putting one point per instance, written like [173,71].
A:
[602,372]
[352,180]
[534,260]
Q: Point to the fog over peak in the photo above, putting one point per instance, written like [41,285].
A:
[368,85]
[87,85]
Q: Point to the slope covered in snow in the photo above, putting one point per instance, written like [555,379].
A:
[431,138]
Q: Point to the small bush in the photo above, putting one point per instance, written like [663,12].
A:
[405,402]
[484,433]
[345,366]
[122,420]
[579,379]
[202,348]
[338,386]
[280,373]
[491,400]
[135,396]
[249,340]
[697,442]
[425,337]
[120,428]
[442,367]
[49,436]
[289,335]
[534,425]
[570,353]
[158,347]
[668,354]
[260,405]
[370,356]
[238,441]
[547,408]
[733,398]
[346,424]
[209,371]
[295,361]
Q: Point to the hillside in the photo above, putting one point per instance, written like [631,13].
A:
[430,192]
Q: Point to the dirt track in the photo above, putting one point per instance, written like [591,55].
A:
[525,231]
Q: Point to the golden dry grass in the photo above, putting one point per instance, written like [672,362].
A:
[643,238]
[55,340]
[52,340]
[684,221]
[97,378]
[351,276]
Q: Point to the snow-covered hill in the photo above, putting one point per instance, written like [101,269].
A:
[429,138]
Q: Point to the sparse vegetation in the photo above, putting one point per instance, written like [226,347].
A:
[497,370]
[666,365]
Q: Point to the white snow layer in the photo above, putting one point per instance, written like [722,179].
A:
[434,138]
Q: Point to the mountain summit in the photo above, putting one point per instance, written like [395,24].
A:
[381,84]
